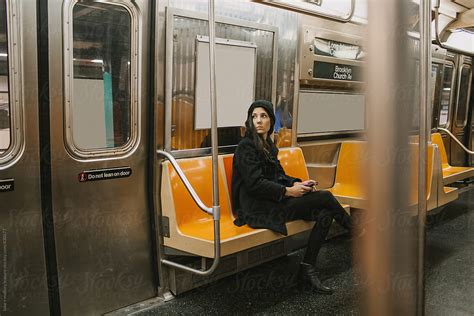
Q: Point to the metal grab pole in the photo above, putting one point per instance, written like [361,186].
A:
[214,139]
[217,237]
[425,73]
[216,209]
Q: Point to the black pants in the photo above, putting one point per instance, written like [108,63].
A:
[322,207]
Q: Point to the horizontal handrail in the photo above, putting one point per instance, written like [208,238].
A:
[215,211]
[295,8]
[186,182]
[470,152]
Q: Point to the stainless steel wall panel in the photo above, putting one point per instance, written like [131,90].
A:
[23,270]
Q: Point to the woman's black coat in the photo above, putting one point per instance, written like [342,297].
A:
[258,187]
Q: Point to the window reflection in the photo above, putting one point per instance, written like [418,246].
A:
[184,135]
[445,95]
[5,124]
[461,114]
[435,73]
[101,100]
[436,82]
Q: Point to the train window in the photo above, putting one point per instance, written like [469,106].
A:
[185,134]
[463,98]
[446,95]
[435,70]
[436,81]
[5,125]
[101,98]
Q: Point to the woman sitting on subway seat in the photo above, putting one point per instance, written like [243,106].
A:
[265,197]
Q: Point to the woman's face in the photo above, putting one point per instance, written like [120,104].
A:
[261,121]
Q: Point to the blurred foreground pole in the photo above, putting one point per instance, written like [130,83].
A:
[387,253]
[424,137]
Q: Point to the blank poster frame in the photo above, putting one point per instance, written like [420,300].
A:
[233,96]
[347,115]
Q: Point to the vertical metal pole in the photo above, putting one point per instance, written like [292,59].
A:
[387,254]
[296,98]
[214,138]
[425,75]
[168,79]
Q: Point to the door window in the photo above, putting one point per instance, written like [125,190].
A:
[101,89]
[11,114]
[5,122]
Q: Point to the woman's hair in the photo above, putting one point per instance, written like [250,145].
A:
[262,145]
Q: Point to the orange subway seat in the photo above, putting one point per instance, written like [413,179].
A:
[292,161]
[450,173]
[349,182]
[191,220]
[191,230]
[413,163]
[227,161]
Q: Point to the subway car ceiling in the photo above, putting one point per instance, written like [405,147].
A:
[455,17]
[453,25]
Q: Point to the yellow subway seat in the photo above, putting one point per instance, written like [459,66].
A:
[451,174]
[349,181]
[191,230]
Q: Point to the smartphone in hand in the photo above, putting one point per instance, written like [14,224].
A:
[310,183]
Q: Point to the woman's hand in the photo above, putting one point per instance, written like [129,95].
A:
[310,183]
[298,189]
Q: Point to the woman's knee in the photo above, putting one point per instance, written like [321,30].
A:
[326,195]
[328,198]
[332,205]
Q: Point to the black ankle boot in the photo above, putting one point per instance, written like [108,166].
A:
[307,274]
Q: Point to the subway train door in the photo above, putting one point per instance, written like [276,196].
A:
[98,72]
[459,126]
[23,289]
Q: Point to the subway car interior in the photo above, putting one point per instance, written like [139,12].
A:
[118,124]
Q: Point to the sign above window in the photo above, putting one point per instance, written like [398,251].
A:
[330,71]
[325,47]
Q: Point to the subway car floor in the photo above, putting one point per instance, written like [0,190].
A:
[272,288]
